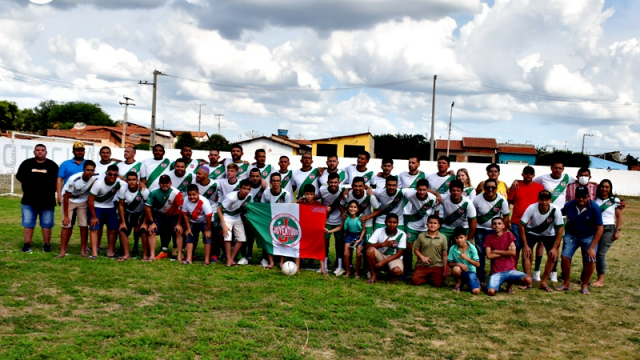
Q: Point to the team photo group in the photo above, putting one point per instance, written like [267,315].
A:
[416,226]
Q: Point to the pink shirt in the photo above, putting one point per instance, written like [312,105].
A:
[571,191]
[503,263]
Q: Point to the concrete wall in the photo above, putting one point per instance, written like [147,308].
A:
[272,148]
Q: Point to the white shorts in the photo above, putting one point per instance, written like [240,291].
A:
[236,227]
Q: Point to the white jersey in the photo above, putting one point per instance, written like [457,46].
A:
[133,200]
[106,194]
[282,198]
[542,224]
[333,200]
[456,214]
[368,204]
[265,171]
[136,167]
[197,212]
[225,187]
[487,210]
[153,169]
[353,172]
[216,172]
[301,178]
[408,181]
[469,192]
[78,189]
[209,192]
[101,169]
[257,192]
[378,182]
[417,211]
[440,184]
[390,205]
[399,240]
[232,206]
[182,182]
[608,207]
[285,180]
[325,177]
[557,187]
[243,169]
[192,166]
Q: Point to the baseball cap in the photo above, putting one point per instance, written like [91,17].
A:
[582,191]
[78,145]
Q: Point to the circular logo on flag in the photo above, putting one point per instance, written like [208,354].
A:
[285,230]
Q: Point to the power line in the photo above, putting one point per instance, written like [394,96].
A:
[39,80]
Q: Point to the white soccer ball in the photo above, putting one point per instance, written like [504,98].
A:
[289,268]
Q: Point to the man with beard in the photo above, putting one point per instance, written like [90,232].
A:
[155,167]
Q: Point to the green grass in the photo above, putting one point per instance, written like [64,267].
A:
[75,308]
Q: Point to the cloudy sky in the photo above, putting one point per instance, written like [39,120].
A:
[539,71]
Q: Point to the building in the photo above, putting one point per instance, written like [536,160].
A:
[112,135]
[344,146]
[199,136]
[469,149]
[275,145]
[517,154]
[598,163]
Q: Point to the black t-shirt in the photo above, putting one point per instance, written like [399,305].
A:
[38,183]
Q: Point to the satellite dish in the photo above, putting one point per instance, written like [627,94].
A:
[135,137]
[79,125]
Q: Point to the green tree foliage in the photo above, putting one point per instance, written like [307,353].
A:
[568,158]
[142,147]
[186,139]
[215,141]
[401,146]
[630,161]
[10,115]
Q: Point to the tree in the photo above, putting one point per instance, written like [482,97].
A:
[186,139]
[568,158]
[630,161]
[10,115]
[142,147]
[50,114]
[401,146]
[217,142]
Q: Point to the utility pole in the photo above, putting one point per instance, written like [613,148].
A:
[153,104]
[124,126]
[199,117]
[219,118]
[449,138]
[583,136]
[433,117]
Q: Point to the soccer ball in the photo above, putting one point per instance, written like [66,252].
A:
[289,268]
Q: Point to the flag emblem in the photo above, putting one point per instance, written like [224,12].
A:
[286,230]
[217,172]
[549,220]
[312,176]
[163,165]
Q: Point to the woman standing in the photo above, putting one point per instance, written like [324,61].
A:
[612,221]
[469,191]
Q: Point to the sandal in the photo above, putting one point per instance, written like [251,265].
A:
[511,290]
[525,287]
[547,289]
[585,291]
[562,288]
[185,262]
[123,258]
[92,257]
[456,289]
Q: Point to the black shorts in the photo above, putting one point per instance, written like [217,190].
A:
[132,220]
[547,241]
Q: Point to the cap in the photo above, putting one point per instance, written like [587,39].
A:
[164,179]
[78,145]
[582,191]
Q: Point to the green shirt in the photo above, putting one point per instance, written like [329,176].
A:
[472,253]
[431,247]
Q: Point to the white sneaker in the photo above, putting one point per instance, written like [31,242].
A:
[264,263]
[536,276]
[340,272]
[318,271]
[243,261]
[553,277]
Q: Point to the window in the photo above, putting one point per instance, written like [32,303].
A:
[327,150]
[352,150]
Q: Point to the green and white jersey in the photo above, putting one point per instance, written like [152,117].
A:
[265,171]
[165,202]
[192,166]
[456,214]
[469,192]
[353,172]
[216,172]
[408,181]
[325,177]
[232,205]
[608,207]
[243,169]
[209,192]
[78,189]
[182,182]
[417,210]
[153,169]
[557,187]
[105,194]
[333,200]
[540,224]
[399,240]
[487,210]
[133,200]
[257,191]
[225,187]
[391,204]
[439,183]
[285,178]
[282,198]
[136,167]
[379,182]
[368,204]
[300,178]
[101,169]
[197,212]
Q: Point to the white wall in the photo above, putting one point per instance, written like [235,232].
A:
[272,148]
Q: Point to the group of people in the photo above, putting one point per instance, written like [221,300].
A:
[381,219]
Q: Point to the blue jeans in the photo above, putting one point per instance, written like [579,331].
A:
[515,230]
[30,213]
[497,279]
[572,243]
[481,234]
[471,279]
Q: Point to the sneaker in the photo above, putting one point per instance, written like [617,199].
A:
[553,277]
[339,272]
[26,248]
[249,258]
[318,271]
[243,261]
[214,258]
[264,263]
[162,255]
[46,248]
[536,276]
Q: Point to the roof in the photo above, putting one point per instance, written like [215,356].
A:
[473,142]
[454,145]
[528,150]
[200,134]
[297,141]
[342,136]
[277,139]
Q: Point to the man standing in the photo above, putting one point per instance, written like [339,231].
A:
[584,177]
[236,158]
[392,202]
[306,175]
[385,247]
[457,210]
[38,177]
[261,159]
[70,167]
[360,169]
[155,167]
[441,181]
[229,184]
[215,167]
[105,161]
[332,167]
[180,177]
[584,229]
[380,178]
[274,195]
[131,209]
[102,211]
[331,196]
[74,205]
[285,175]
[208,188]
[368,203]
[409,179]
[131,165]
[229,212]
[421,205]
[191,165]
[163,217]
[493,172]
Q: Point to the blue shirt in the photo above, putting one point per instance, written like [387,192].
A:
[584,224]
[68,168]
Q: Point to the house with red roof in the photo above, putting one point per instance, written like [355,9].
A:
[469,149]
[517,154]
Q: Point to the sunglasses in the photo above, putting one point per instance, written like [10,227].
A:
[490,187]
[111,174]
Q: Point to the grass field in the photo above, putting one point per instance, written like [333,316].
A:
[75,309]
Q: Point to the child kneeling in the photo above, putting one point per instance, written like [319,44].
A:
[501,250]
[463,259]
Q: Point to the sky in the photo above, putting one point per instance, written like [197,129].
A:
[544,72]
